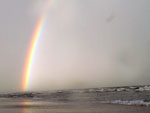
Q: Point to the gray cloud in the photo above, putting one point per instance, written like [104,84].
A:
[84,44]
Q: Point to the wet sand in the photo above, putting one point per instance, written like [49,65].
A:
[71,108]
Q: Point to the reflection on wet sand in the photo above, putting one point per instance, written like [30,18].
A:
[25,110]
[26,105]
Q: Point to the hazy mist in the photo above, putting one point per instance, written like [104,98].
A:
[84,43]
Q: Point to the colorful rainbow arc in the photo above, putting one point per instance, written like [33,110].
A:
[32,48]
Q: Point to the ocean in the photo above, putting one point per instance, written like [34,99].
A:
[129,99]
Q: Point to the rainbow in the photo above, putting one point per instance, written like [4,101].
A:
[32,48]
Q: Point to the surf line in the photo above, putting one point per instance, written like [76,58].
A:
[32,47]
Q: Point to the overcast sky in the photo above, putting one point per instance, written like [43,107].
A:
[85,43]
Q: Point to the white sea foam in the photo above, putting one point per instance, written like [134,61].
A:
[133,102]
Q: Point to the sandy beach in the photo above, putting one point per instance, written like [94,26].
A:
[72,108]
